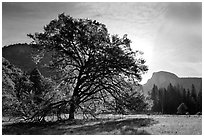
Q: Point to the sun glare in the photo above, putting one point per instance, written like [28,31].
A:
[147,47]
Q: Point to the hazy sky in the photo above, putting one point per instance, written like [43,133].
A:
[169,34]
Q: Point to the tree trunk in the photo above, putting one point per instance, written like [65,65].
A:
[71,111]
[73,102]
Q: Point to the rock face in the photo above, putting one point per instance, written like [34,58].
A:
[20,55]
[162,79]
[187,83]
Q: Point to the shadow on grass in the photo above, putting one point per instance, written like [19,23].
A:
[118,126]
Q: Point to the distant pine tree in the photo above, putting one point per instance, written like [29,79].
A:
[168,100]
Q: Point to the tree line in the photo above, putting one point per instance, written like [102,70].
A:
[167,100]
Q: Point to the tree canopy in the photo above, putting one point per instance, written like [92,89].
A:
[88,58]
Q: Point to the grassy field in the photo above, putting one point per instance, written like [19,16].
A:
[113,124]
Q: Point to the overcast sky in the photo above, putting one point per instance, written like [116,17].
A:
[169,34]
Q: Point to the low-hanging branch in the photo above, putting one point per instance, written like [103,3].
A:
[98,59]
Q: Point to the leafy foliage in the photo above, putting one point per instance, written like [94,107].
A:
[10,76]
[132,100]
[88,58]
[27,95]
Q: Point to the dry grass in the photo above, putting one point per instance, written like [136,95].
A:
[99,126]
[112,124]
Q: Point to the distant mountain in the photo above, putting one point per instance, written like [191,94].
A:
[187,83]
[20,55]
[162,79]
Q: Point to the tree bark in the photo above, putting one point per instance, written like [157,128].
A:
[71,111]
